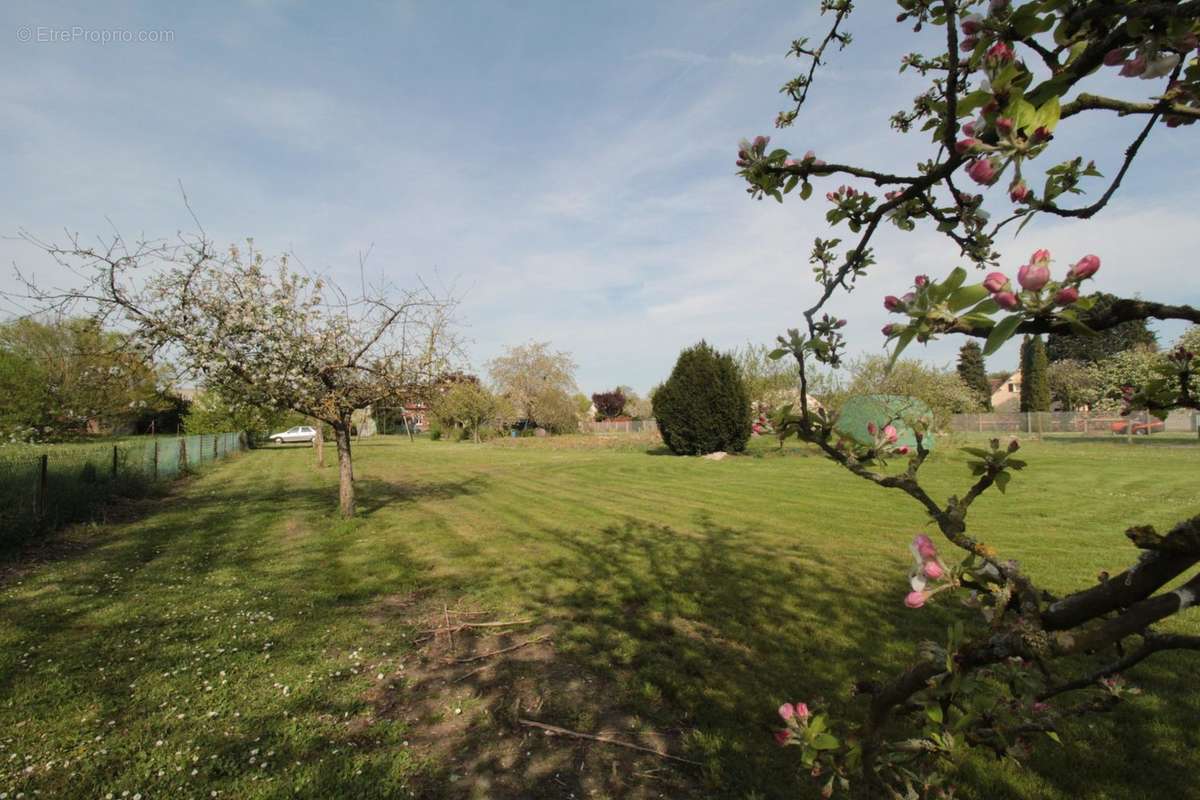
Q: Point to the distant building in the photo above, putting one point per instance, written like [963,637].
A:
[1006,394]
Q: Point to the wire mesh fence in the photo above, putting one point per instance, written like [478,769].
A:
[1078,423]
[620,426]
[42,489]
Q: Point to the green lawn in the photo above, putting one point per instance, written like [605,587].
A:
[238,640]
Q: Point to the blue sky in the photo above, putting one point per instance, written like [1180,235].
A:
[567,166]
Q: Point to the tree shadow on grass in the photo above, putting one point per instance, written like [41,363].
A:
[680,639]
[686,641]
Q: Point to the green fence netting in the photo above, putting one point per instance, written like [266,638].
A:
[44,488]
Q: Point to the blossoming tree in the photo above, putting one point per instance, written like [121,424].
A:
[1005,77]
[260,331]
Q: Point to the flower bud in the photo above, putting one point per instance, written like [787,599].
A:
[782,737]
[933,570]
[872,428]
[760,142]
[1085,267]
[996,282]
[968,44]
[1004,125]
[1007,300]
[802,711]
[915,599]
[1040,257]
[921,280]
[1019,192]
[1014,446]
[893,303]
[1000,52]
[964,146]
[1066,296]
[1115,56]
[984,170]
[972,24]
[1134,67]
[787,711]
[890,434]
[890,329]
[1033,277]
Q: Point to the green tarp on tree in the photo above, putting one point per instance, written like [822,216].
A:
[882,409]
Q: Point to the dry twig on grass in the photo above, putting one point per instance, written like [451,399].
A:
[501,651]
[554,729]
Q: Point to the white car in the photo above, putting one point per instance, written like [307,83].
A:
[301,433]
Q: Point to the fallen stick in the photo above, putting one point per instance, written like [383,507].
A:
[491,653]
[604,739]
[464,625]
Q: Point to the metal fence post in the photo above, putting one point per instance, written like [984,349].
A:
[114,461]
[183,465]
[155,458]
[215,440]
[39,497]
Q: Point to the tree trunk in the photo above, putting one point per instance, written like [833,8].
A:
[319,444]
[341,433]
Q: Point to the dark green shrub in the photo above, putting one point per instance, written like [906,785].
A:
[704,406]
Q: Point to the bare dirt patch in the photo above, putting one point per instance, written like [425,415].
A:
[470,685]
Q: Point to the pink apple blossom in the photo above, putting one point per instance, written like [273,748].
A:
[915,599]
[890,434]
[933,570]
[984,170]
[787,711]
[1019,192]
[1040,257]
[802,711]
[965,145]
[1134,67]
[1033,277]
[972,24]
[996,282]
[1007,300]
[1085,267]
[782,737]
[1000,52]
[1004,125]
[872,428]
[1115,56]
[1066,296]
[893,303]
